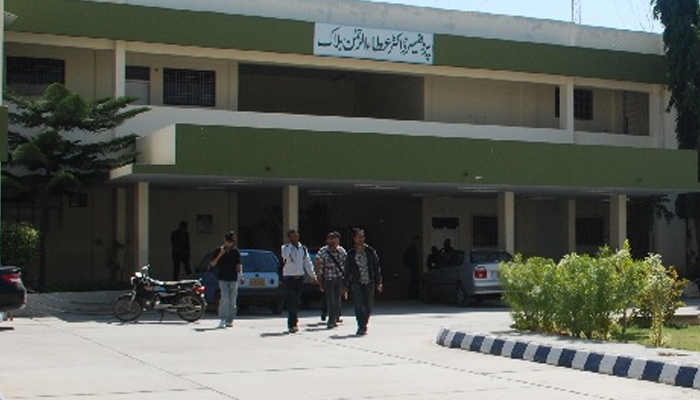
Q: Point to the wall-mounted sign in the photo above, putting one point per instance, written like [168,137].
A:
[374,44]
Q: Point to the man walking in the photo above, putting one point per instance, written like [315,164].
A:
[228,259]
[180,242]
[330,264]
[295,262]
[363,275]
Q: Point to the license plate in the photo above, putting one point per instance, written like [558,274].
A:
[257,282]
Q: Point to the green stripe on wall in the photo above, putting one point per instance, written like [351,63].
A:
[160,25]
[548,58]
[284,154]
[214,30]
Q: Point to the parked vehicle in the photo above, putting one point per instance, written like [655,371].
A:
[185,298]
[13,294]
[465,276]
[262,280]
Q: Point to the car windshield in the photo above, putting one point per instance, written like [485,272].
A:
[477,257]
[254,261]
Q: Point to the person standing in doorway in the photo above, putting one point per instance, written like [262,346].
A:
[330,264]
[228,259]
[363,275]
[295,262]
[180,242]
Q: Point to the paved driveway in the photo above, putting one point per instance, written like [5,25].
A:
[81,353]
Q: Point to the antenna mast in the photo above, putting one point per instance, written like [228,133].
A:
[576,11]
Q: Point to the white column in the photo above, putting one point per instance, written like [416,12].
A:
[618,221]
[290,213]
[141,207]
[506,221]
[566,106]
[119,68]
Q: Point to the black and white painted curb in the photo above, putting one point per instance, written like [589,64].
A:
[623,366]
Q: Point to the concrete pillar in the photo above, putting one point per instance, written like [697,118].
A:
[566,106]
[618,221]
[233,85]
[290,213]
[506,221]
[119,68]
[141,207]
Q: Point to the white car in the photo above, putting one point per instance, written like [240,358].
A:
[465,276]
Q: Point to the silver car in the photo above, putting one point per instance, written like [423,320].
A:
[465,276]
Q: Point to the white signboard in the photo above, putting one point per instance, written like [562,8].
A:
[374,44]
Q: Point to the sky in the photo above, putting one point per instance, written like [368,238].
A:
[635,15]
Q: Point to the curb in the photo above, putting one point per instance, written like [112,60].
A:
[623,366]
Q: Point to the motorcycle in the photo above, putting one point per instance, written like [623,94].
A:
[185,297]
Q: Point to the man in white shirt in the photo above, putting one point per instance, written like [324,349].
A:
[295,262]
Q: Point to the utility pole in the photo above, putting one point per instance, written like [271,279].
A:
[576,11]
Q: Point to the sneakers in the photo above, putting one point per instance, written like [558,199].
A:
[222,324]
[294,329]
[229,324]
[361,331]
[331,326]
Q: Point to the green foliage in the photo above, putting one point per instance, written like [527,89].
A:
[43,160]
[55,149]
[20,245]
[682,44]
[584,296]
[113,252]
[660,298]
[530,287]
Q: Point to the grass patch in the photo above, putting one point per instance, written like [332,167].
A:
[681,337]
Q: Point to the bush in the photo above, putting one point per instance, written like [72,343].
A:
[20,246]
[529,289]
[583,295]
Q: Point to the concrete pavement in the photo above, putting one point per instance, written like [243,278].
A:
[70,347]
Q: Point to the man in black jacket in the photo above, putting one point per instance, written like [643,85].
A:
[363,275]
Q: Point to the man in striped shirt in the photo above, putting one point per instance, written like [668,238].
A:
[330,265]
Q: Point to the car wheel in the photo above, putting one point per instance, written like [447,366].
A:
[425,295]
[461,297]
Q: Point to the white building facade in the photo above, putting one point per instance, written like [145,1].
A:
[535,136]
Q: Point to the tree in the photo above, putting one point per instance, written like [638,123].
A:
[682,44]
[45,158]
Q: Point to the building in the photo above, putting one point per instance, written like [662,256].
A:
[531,135]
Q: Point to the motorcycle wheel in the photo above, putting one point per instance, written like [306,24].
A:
[126,309]
[190,308]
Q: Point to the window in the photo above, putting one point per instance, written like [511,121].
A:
[583,104]
[589,231]
[485,231]
[187,87]
[26,208]
[31,76]
[138,83]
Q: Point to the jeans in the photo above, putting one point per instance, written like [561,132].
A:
[333,289]
[292,289]
[363,298]
[227,303]
[183,259]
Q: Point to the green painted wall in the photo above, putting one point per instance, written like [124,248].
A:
[207,29]
[274,153]
[159,25]
[551,59]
